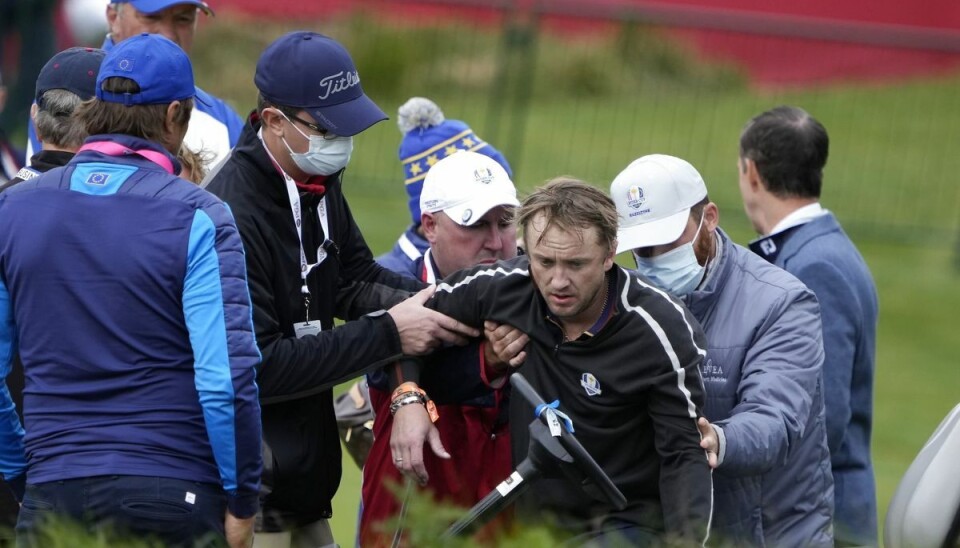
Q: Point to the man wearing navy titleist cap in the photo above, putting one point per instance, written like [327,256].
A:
[214,126]
[308,263]
[124,288]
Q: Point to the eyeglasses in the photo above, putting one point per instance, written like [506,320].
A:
[323,132]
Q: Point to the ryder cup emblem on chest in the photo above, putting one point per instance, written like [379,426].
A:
[590,384]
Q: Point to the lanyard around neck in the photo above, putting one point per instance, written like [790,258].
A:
[293,193]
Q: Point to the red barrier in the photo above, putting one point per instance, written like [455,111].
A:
[826,40]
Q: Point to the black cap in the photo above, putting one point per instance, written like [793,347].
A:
[74,70]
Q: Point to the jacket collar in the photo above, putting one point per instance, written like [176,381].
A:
[778,247]
[429,272]
[721,268]
[615,278]
[799,216]
[130,142]
[45,160]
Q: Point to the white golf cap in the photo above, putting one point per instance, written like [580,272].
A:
[465,186]
[654,195]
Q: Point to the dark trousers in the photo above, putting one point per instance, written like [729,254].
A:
[617,534]
[174,512]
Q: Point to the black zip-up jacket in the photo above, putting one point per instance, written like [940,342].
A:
[633,391]
[41,162]
[299,427]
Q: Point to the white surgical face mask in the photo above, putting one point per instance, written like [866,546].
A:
[324,156]
[677,271]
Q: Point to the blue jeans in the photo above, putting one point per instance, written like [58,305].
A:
[175,512]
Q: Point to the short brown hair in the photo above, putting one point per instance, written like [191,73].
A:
[144,121]
[790,149]
[263,102]
[696,210]
[572,205]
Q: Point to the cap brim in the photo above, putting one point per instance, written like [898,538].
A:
[478,208]
[659,232]
[348,118]
[151,7]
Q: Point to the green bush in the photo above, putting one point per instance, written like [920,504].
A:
[65,533]
[398,60]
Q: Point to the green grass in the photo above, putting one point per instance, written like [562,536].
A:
[597,104]
[890,179]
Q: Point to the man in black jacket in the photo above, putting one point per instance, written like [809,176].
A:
[617,355]
[307,263]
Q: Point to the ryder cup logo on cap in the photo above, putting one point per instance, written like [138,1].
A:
[653,196]
[313,72]
[465,186]
[635,197]
[159,67]
[483,176]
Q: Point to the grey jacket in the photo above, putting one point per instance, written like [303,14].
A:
[763,386]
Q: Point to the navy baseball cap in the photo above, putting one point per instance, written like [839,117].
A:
[74,70]
[157,65]
[150,7]
[314,72]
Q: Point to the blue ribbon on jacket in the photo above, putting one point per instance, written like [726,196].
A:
[554,408]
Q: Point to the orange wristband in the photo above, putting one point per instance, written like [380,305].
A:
[411,387]
[405,387]
[432,411]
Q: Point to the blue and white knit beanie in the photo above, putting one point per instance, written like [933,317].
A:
[428,137]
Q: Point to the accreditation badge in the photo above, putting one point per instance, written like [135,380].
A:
[302,329]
